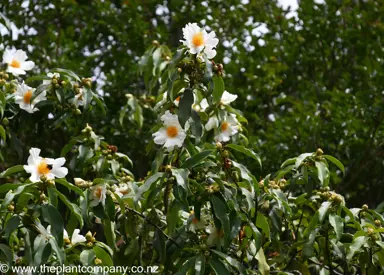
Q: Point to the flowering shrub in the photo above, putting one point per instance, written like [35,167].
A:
[199,210]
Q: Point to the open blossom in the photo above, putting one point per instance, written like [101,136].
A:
[171,134]
[122,189]
[215,235]
[76,236]
[192,222]
[198,40]
[226,99]
[48,167]
[225,129]
[98,195]
[23,96]
[79,99]
[17,62]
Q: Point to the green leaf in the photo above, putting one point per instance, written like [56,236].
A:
[59,251]
[12,170]
[219,267]
[336,162]
[323,210]
[185,105]
[74,208]
[196,159]
[221,212]
[262,262]
[3,135]
[337,223]
[181,176]
[109,233]
[200,265]
[7,252]
[355,246]
[68,73]
[53,217]
[301,158]
[233,262]
[245,151]
[322,173]
[103,256]
[159,245]
[87,257]
[70,186]
[262,222]
[218,88]
[4,188]
[11,225]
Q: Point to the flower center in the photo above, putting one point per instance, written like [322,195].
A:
[43,168]
[195,220]
[27,97]
[198,39]
[172,131]
[177,99]
[98,192]
[15,64]
[224,126]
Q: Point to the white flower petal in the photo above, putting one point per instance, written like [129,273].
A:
[227,98]
[212,123]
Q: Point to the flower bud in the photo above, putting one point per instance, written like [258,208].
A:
[128,95]
[2,82]
[370,231]
[11,208]
[378,223]
[219,146]
[6,76]
[88,236]
[365,207]
[225,154]
[79,182]
[155,43]
[319,152]
[63,83]
[43,178]
[5,121]
[98,261]
[167,58]
[168,168]
[179,70]
[67,241]
[89,244]
[50,182]
[78,111]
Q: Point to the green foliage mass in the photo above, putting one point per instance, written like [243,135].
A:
[227,208]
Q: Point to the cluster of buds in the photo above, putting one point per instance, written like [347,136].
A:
[3,78]
[77,88]
[336,198]
[57,82]
[79,182]
[87,130]
[261,184]
[273,184]
[43,198]
[87,82]
[282,183]
[109,152]
[46,181]
[90,238]
[219,68]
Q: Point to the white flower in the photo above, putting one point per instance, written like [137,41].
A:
[79,100]
[228,127]
[226,99]
[16,61]
[48,167]
[23,97]
[51,75]
[98,194]
[193,223]
[122,189]
[215,235]
[198,40]
[171,134]
[77,237]
[212,123]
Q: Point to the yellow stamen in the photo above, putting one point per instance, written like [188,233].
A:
[15,64]
[224,126]
[172,131]
[198,39]
[98,192]
[177,99]
[43,168]
[27,97]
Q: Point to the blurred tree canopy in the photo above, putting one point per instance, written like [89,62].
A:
[306,80]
